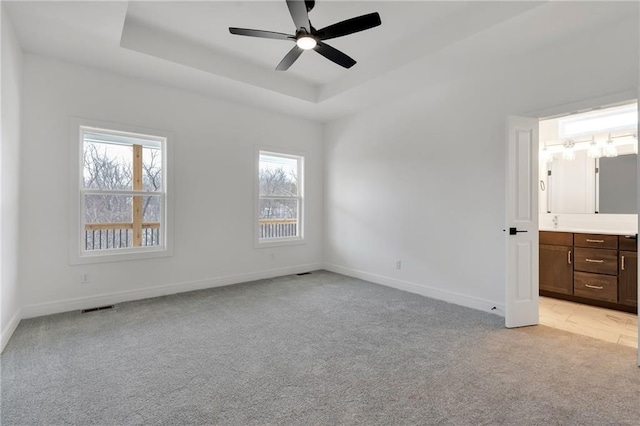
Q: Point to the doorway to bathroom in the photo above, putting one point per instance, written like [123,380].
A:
[525,224]
[588,223]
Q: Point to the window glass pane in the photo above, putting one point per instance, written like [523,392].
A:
[107,222]
[151,209]
[107,166]
[278,175]
[278,218]
[107,208]
[116,212]
[151,169]
[278,209]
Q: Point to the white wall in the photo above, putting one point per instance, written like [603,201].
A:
[9,180]
[422,179]
[213,181]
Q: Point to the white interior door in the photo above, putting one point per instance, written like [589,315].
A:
[521,307]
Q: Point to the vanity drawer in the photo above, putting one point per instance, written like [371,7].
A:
[596,241]
[628,242]
[556,238]
[594,286]
[595,260]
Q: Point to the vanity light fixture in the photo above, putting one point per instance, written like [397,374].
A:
[618,143]
[569,152]
[610,149]
[594,150]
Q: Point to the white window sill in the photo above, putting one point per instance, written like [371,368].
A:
[278,242]
[120,255]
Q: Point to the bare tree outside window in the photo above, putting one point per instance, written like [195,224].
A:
[107,167]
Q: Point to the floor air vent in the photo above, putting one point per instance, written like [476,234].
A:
[99,308]
[304,273]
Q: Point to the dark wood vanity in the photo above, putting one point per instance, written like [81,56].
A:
[595,269]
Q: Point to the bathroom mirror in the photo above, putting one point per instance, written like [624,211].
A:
[589,161]
[588,185]
[618,180]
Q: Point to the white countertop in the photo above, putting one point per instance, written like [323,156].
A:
[592,231]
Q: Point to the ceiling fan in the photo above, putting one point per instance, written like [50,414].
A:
[307,37]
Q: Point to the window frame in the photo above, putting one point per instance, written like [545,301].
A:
[281,241]
[77,252]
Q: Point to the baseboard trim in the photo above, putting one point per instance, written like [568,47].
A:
[49,308]
[421,289]
[10,328]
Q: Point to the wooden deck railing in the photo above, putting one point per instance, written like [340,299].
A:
[101,236]
[278,228]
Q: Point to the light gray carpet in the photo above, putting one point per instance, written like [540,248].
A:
[318,349]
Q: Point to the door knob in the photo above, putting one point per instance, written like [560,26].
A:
[514,231]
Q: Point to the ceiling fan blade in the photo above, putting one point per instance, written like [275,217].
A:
[289,59]
[298,10]
[350,26]
[260,33]
[334,55]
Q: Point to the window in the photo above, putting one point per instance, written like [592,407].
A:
[600,121]
[280,197]
[122,197]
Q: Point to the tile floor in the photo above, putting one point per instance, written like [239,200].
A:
[604,324]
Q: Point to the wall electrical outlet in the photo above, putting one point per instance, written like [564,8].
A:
[84,279]
[398,264]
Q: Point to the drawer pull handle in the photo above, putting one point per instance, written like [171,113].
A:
[622,261]
[595,260]
[597,287]
[594,241]
[569,258]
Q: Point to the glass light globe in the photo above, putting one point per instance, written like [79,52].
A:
[594,151]
[610,149]
[569,153]
[306,42]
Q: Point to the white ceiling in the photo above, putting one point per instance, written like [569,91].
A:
[187,44]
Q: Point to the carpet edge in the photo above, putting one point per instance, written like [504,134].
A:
[49,308]
[10,329]
[421,289]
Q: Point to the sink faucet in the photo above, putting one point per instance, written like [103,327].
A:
[555,221]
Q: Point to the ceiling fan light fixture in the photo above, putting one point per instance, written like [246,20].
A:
[306,42]
[307,37]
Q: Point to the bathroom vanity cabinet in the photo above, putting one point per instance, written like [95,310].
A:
[596,269]
[556,264]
